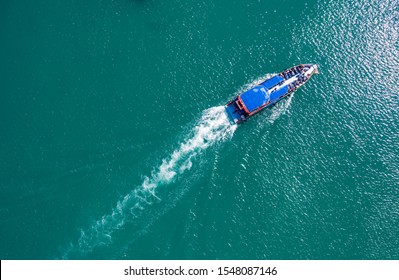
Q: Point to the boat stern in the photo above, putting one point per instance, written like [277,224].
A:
[234,113]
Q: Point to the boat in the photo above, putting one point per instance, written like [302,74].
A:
[269,92]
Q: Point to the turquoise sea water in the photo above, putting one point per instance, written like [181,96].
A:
[114,144]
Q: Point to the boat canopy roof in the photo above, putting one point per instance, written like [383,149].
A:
[254,98]
[257,96]
[272,81]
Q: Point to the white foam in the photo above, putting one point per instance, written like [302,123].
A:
[213,127]
[280,109]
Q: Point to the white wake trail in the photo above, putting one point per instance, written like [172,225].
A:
[213,127]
